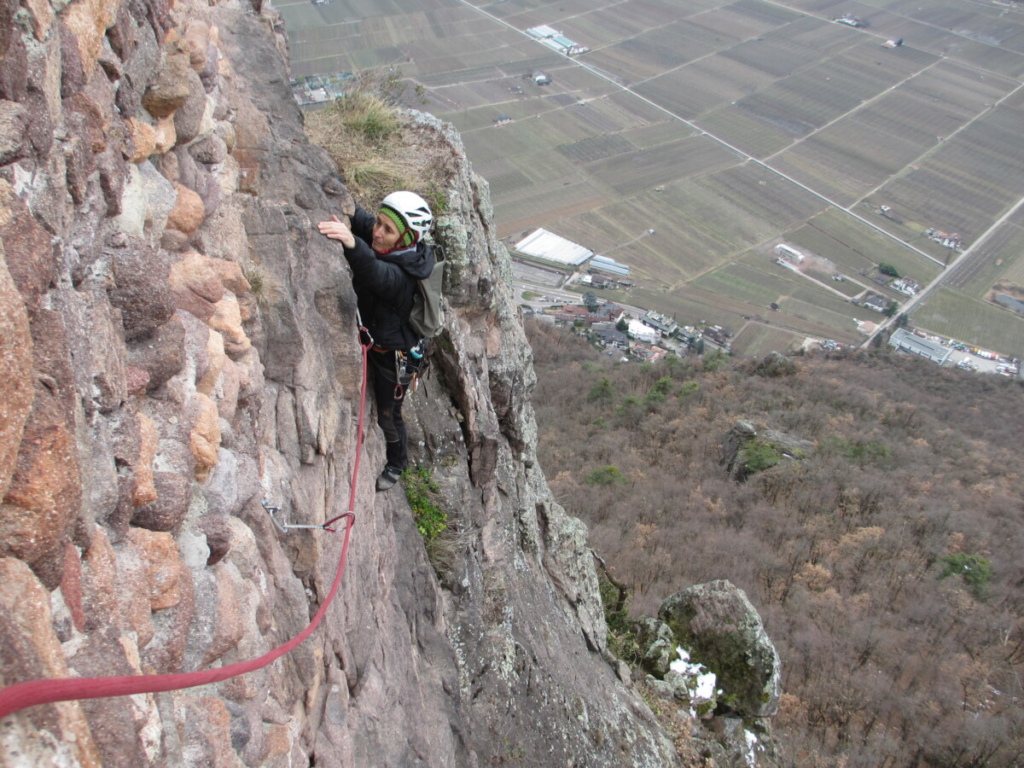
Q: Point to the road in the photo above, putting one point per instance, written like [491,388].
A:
[949,272]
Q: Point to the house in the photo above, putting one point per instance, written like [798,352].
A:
[642,332]
[647,352]
[610,312]
[571,313]
[875,302]
[688,335]
[550,249]
[718,336]
[789,253]
[906,286]
[555,40]
[609,337]
[666,326]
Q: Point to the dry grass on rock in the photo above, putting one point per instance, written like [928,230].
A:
[380,148]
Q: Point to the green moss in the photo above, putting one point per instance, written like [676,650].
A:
[759,456]
[622,639]
[422,493]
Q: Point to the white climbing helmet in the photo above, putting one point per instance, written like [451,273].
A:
[413,209]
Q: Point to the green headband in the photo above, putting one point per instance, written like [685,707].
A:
[406,236]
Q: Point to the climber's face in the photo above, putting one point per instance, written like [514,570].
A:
[385,234]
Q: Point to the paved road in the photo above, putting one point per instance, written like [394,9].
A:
[950,271]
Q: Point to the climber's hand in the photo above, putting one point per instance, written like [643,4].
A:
[336,229]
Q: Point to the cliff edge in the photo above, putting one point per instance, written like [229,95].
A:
[178,349]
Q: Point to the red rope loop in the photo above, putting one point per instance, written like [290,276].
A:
[33,692]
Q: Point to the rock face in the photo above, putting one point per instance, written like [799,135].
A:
[179,346]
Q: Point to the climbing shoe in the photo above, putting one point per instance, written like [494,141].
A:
[388,478]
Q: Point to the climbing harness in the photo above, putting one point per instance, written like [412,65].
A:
[410,368]
[33,692]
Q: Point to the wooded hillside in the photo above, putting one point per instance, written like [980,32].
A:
[886,561]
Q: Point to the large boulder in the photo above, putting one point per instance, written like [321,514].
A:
[722,630]
[747,450]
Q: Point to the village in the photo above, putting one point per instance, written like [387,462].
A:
[558,278]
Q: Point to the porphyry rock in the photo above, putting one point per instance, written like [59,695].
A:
[160,355]
[16,392]
[718,625]
[171,88]
[165,513]
[188,212]
[140,288]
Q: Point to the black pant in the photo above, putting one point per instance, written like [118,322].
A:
[389,392]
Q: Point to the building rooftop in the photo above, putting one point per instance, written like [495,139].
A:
[909,342]
[547,246]
[604,264]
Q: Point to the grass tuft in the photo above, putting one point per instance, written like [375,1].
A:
[423,495]
[376,147]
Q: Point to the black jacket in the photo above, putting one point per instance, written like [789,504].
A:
[385,284]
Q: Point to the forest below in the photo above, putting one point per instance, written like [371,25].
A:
[886,562]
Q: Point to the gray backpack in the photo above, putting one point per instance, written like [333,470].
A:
[427,316]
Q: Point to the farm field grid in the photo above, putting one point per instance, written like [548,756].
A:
[729,128]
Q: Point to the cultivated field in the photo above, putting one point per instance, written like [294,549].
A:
[973,321]
[726,128]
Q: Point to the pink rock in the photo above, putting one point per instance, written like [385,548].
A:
[171,592]
[130,575]
[196,41]
[171,87]
[226,395]
[35,654]
[207,729]
[231,276]
[168,510]
[188,211]
[44,495]
[15,368]
[164,134]
[227,319]
[196,285]
[143,138]
[100,594]
[205,436]
[89,22]
[164,566]
[71,586]
[230,626]
[215,352]
[35,269]
[136,380]
[149,438]
[42,17]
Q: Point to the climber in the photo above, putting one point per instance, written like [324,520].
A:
[388,255]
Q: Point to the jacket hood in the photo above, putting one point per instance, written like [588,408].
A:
[417,261]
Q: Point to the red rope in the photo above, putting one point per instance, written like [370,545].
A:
[33,692]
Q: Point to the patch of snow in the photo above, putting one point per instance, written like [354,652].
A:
[702,685]
[751,758]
